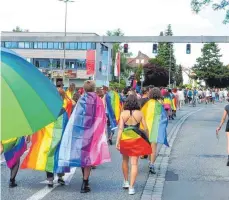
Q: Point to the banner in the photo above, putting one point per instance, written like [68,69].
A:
[90,62]
[117,65]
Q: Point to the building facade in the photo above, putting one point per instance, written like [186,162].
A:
[48,56]
[140,59]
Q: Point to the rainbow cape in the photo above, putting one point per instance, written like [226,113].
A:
[69,93]
[157,121]
[114,107]
[45,146]
[13,150]
[134,142]
[167,102]
[84,140]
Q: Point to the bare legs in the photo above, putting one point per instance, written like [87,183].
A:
[134,169]
[154,152]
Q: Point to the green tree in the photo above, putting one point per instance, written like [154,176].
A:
[208,67]
[18,29]
[166,53]
[197,6]
[179,75]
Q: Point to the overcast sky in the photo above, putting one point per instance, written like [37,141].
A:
[134,17]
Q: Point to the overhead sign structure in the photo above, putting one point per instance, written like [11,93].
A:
[120,39]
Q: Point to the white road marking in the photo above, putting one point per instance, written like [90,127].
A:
[43,192]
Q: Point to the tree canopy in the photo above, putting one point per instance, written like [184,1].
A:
[208,67]
[18,29]
[197,6]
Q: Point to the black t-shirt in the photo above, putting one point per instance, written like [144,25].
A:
[143,101]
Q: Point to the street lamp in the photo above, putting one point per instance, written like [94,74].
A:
[65,29]
[170,65]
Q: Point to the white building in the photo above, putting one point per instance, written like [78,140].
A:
[49,56]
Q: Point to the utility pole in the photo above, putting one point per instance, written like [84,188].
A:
[65,33]
[170,64]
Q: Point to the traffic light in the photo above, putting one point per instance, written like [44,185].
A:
[125,48]
[155,48]
[188,49]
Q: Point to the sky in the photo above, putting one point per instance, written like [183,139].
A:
[133,17]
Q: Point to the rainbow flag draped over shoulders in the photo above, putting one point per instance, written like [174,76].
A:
[84,140]
[134,142]
[167,103]
[110,112]
[157,121]
[69,93]
[44,150]
[13,150]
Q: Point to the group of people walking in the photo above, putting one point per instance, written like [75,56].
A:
[86,125]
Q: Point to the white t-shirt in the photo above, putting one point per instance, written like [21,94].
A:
[207,93]
[220,93]
[181,95]
[225,92]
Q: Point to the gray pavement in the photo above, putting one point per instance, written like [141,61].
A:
[106,180]
[197,166]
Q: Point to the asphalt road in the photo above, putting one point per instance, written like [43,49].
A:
[106,180]
[197,167]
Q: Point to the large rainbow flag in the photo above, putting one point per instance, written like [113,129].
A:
[84,141]
[167,103]
[45,146]
[157,121]
[134,142]
[13,150]
[110,112]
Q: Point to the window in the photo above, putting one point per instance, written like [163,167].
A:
[72,45]
[56,45]
[142,61]
[2,44]
[50,45]
[21,45]
[37,63]
[39,45]
[45,45]
[89,45]
[35,45]
[137,61]
[79,45]
[27,45]
[67,45]
[93,46]
[84,45]
[76,45]
[14,45]
[60,45]
[8,44]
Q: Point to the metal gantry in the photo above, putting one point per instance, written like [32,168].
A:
[119,39]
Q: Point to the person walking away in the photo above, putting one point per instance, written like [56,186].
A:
[13,149]
[213,96]
[71,91]
[207,96]
[132,142]
[145,96]
[190,95]
[225,115]
[84,142]
[181,98]
[220,95]
[157,122]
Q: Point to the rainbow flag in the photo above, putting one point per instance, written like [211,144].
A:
[13,150]
[84,141]
[69,93]
[157,121]
[167,103]
[116,104]
[44,150]
[134,142]
[110,112]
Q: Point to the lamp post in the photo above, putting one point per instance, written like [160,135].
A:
[65,29]
[170,65]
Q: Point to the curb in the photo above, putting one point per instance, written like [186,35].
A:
[153,189]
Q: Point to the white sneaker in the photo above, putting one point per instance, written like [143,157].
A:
[131,191]
[126,185]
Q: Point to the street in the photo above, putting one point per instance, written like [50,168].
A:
[196,168]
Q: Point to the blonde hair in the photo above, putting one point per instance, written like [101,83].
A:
[89,86]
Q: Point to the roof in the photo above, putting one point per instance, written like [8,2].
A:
[11,33]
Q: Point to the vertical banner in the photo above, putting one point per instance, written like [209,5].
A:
[117,65]
[90,62]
